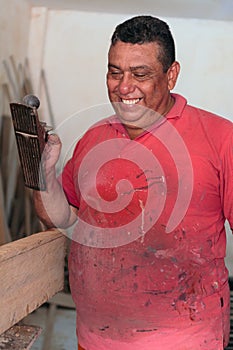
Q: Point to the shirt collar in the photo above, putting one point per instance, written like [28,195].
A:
[178,107]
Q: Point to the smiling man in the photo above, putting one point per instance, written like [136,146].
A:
[150,189]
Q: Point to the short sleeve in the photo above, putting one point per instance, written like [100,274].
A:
[227,188]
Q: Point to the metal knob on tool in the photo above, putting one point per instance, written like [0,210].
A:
[32,101]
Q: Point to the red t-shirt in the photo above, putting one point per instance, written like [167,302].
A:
[147,258]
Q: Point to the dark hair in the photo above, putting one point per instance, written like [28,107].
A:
[147,29]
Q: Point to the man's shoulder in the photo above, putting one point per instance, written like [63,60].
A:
[208,118]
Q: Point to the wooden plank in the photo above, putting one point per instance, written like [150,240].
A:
[10,162]
[31,272]
[15,72]
[5,236]
[5,147]
[27,77]
[11,80]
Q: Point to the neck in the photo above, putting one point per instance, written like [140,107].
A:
[169,105]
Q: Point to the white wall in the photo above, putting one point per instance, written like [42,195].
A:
[14,33]
[205,50]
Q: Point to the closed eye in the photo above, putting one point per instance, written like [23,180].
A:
[140,76]
[115,74]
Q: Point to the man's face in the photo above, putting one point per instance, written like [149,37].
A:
[136,81]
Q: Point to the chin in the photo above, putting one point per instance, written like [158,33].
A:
[129,113]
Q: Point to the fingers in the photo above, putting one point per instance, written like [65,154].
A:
[51,151]
[53,139]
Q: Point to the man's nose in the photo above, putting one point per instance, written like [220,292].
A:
[126,84]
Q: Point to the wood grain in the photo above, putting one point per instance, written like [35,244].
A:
[31,272]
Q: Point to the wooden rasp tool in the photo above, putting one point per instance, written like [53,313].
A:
[31,136]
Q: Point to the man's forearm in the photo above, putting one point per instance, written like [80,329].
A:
[51,205]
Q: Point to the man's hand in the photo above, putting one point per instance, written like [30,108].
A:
[51,205]
[51,152]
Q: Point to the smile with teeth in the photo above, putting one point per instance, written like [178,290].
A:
[132,101]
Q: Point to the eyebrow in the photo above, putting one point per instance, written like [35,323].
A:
[131,68]
[113,66]
[141,67]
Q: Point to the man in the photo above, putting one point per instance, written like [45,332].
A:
[147,258]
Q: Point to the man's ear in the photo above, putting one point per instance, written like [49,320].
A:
[172,74]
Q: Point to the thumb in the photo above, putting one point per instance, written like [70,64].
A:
[53,139]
